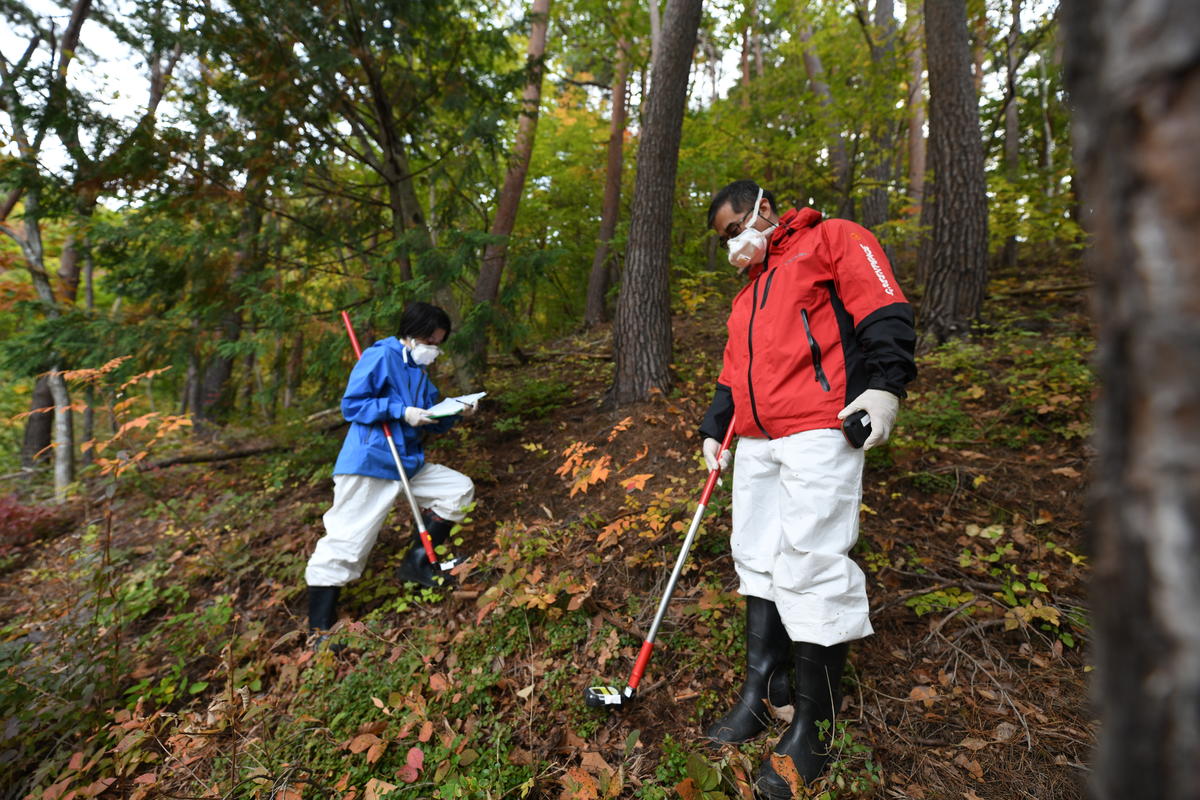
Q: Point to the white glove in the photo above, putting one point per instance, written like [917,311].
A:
[468,409]
[881,407]
[417,417]
[711,447]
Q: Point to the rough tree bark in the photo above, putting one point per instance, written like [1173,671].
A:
[642,327]
[598,280]
[1133,70]
[956,198]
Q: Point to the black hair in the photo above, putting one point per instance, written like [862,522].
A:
[421,320]
[740,196]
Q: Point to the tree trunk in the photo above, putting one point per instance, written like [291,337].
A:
[294,371]
[598,284]
[957,199]
[218,399]
[655,34]
[64,439]
[839,161]
[642,328]
[745,63]
[916,114]
[487,285]
[1012,130]
[1133,71]
[39,427]
[879,169]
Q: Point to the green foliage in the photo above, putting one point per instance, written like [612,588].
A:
[853,770]
[536,398]
[1047,389]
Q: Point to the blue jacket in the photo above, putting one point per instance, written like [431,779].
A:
[383,383]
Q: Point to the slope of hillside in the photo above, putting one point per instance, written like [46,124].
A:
[157,649]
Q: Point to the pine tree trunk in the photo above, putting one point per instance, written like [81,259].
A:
[1133,70]
[642,328]
[598,284]
[956,199]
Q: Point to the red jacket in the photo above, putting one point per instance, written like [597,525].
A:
[821,320]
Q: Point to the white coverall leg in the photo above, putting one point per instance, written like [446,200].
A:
[796,502]
[360,505]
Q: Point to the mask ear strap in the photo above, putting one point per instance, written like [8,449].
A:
[757,206]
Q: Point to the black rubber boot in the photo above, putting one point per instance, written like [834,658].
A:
[322,607]
[768,664]
[817,692]
[416,567]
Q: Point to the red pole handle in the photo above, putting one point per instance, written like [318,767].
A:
[713,475]
[353,338]
[639,666]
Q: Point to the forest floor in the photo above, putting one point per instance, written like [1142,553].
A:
[155,647]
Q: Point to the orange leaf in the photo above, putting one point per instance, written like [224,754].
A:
[636,482]
[362,742]
[925,694]
[426,732]
[578,785]
[687,790]
[377,788]
[620,426]
[787,770]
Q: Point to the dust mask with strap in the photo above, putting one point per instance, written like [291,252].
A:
[423,354]
[750,246]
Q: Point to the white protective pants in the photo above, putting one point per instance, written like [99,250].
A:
[360,505]
[796,502]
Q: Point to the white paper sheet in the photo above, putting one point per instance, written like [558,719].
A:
[454,405]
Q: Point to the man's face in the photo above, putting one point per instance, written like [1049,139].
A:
[728,223]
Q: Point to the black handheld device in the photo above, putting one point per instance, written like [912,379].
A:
[856,428]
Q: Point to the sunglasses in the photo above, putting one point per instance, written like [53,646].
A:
[733,229]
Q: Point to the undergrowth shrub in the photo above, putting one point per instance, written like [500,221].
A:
[21,524]
[1008,388]
[536,398]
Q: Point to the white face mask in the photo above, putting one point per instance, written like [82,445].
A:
[423,354]
[750,246]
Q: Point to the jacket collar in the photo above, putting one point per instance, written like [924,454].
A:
[793,222]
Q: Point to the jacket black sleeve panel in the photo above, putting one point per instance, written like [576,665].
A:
[720,414]
[888,339]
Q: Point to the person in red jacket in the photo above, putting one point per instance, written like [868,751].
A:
[820,332]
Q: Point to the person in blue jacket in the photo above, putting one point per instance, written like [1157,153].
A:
[389,384]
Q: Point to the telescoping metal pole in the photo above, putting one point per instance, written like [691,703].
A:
[610,695]
[422,531]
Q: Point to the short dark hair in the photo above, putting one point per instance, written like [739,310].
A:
[740,196]
[421,320]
